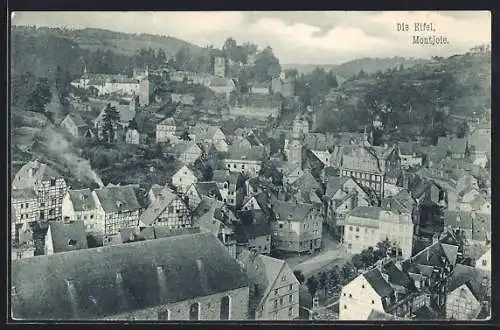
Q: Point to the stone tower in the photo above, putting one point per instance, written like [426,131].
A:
[294,152]
[220,67]
[145,90]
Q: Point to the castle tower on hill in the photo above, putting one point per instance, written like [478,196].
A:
[220,67]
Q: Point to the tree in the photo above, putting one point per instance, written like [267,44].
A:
[266,65]
[111,120]
[300,277]
[161,58]
[312,285]
[323,281]
[358,262]
[382,248]
[133,124]
[40,96]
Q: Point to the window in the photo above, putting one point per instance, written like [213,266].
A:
[484,262]
[350,295]
[242,166]
[344,294]
[234,166]
[228,165]
[91,216]
[42,204]
[225,308]
[349,246]
[84,217]
[281,225]
[283,278]
[194,312]
[291,287]
[275,304]
[164,315]
[350,228]
[52,182]
[373,302]
[345,307]
[357,237]
[72,242]
[22,216]
[357,229]
[276,291]
[363,286]
[281,300]
[290,298]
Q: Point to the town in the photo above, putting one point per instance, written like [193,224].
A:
[247,191]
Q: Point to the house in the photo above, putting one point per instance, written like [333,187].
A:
[211,135]
[465,198]
[474,227]
[297,227]
[205,283]
[480,146]
[484,262]
[167,130]
[79,205]
[231,193]
[365,226]
[118,206]
[410,155]
[468,294]
[65,237]
[293,151]
[154,191]
[368,291]
[24,209]
[245,161]
[300,127]
[74,125]
[260,88]
[132,136]
[341,196]
[186,152]
[125,111]
[254,231]
[425,191]
[49,185]
[167,210]
[241,142]
[184,178]
[322,146]
[198,190]
[274,289]
[456,148]
[402,203]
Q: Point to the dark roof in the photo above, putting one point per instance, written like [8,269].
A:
[473,278]
[378,283]
[253,153]
[77,120]
[82,199]
[425,313]
[191,266]
[370,212]
[292,211]
[220,175]
[397,276]
[408,148]
[209,189]
[63,233]
[119,198]
[40,172]
[161,203]
[25,193]
[254,224]
[479,223]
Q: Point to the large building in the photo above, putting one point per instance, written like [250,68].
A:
[49,186]
[245,161]
[187,277]
[297,228]
[365,226]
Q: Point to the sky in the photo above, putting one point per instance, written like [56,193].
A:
[301,37]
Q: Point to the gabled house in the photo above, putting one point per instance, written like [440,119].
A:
[206,283]
[24,209]
[474,227]
[184,178]
[167,130]
[22,243]
[48,184]
[410,155]
[247,161]
[465,198]
[198,190]
[168,210]
[64,237]
[79,205]
[154,192]
[484,262]
[132,136]
[211,135]
[468,294]
[118,206]
[186,152]
[253,232]
[274,289]
[74,125]
[297,227]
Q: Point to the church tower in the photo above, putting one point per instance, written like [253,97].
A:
[294,152]
[145,90]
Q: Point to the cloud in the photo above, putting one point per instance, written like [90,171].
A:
[295,36]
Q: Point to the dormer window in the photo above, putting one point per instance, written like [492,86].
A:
[52,181]
[71,242]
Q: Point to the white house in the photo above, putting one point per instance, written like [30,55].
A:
[186,152]
[183,179]
[484,262]
[65,237]
[132,137]
[362,295]
[80,205]
[166,131]
[247,161]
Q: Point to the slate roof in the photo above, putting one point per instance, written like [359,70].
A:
[408,148]
[208,189]
[307,181]
[168,122]
[247,231]
[158,207]
[193,266]
[219,175]
[183,146]
[400,203]
[23,194]
[292,211]
[126,113]
[397,276]
[378,283]
[434,255]
[40,172]
[425,313]
[77,120]
[361,159]
[115,199]
[473,278]
[479,223]
[320,141]
[82,199]
[62,233]
[370,212]
[254,153]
